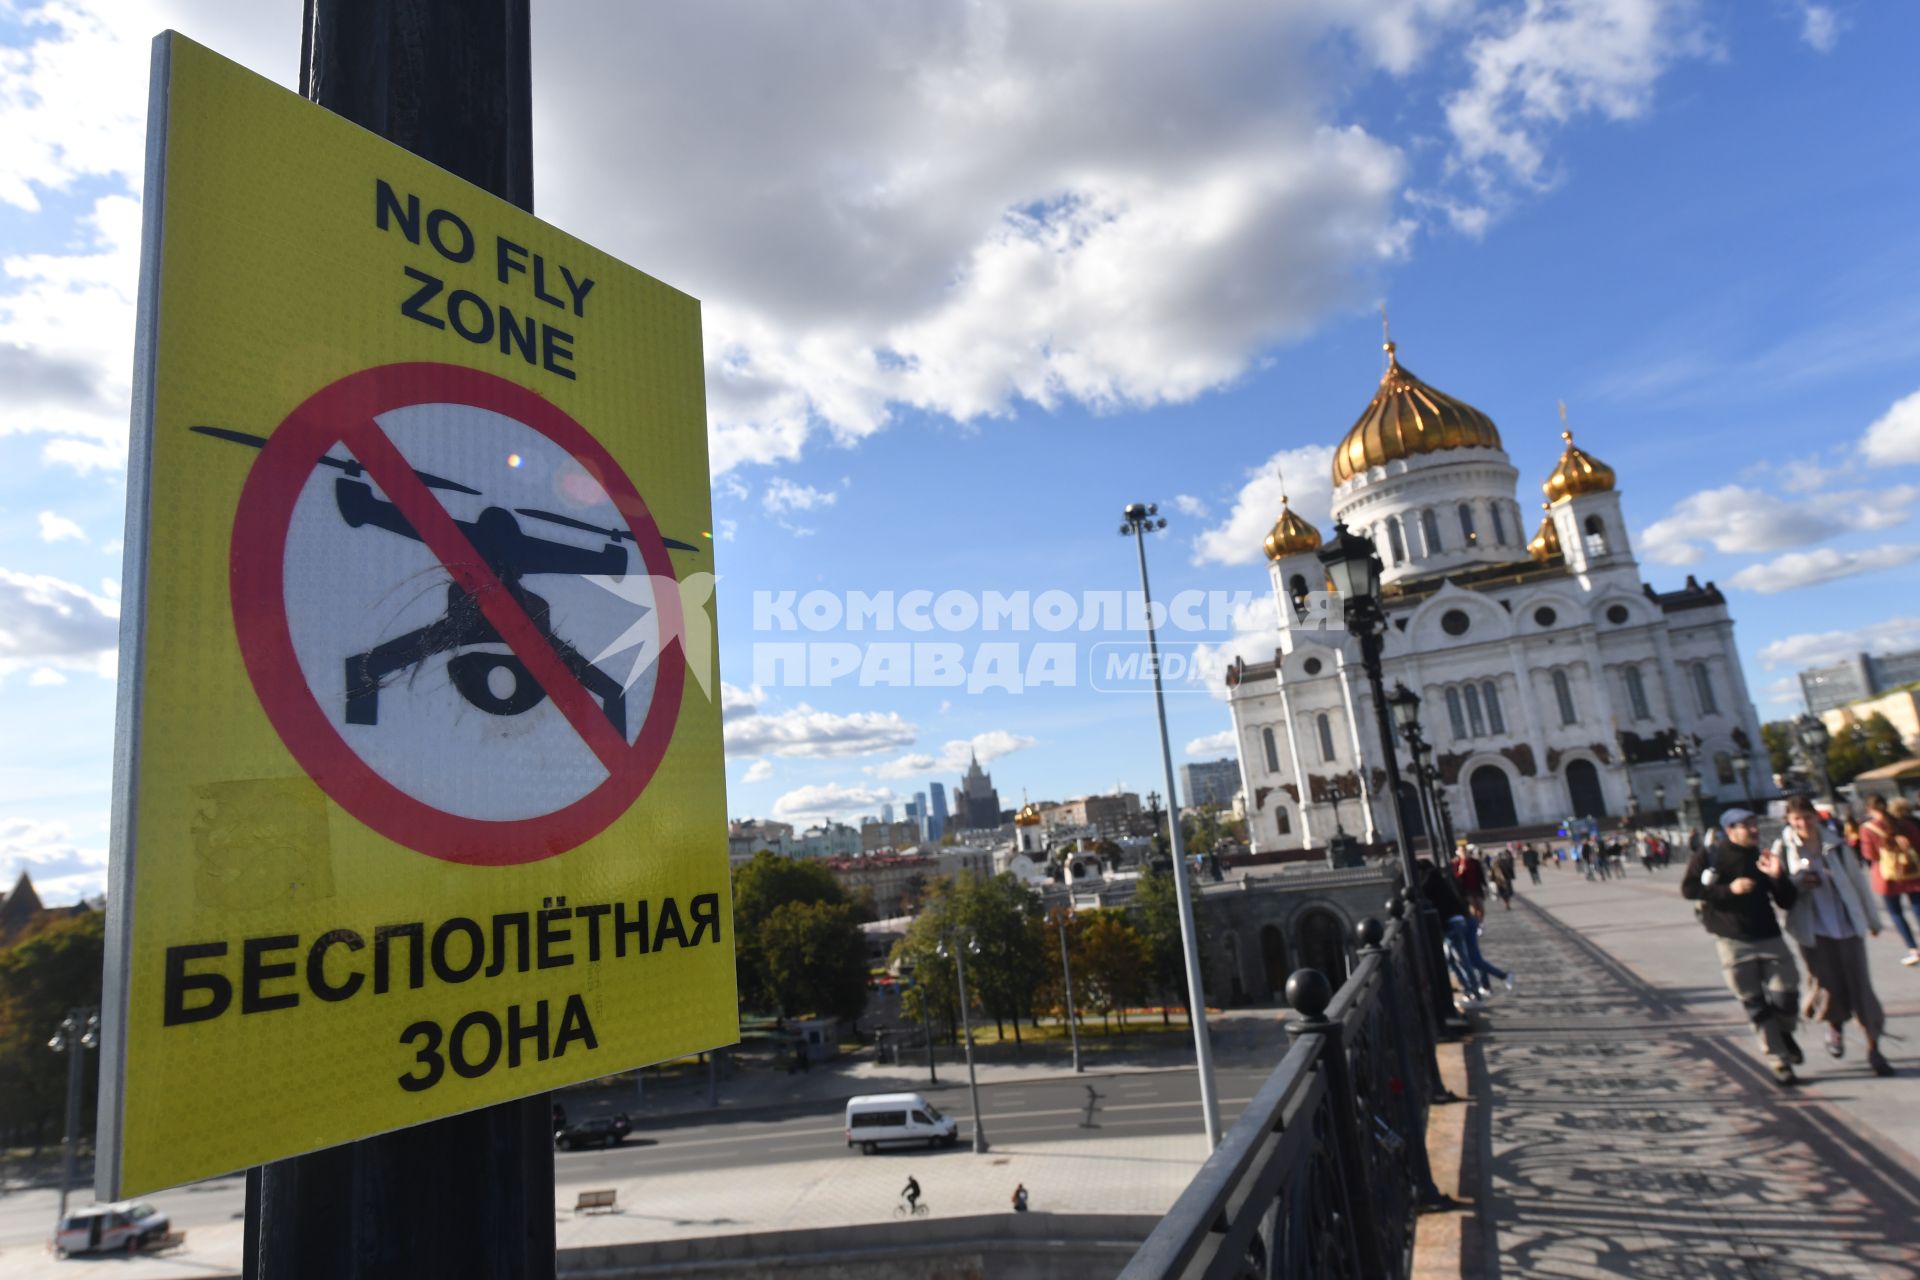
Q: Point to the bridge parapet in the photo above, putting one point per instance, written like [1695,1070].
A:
[1324,1171]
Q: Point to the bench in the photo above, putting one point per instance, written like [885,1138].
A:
[590,1201]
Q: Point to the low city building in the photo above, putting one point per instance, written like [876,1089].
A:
[1209,782]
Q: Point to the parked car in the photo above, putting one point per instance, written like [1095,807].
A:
[103,1228]
[601,1131]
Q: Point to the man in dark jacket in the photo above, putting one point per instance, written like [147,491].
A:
[1738,888]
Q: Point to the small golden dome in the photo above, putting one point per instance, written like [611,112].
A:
[1546,543]
[1579,472]
[1029,815]
[1408,417]
[1290,535]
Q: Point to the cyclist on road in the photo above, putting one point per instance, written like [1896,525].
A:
[912,1192]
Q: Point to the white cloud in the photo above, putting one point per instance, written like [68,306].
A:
[1807,568]
[955,207]
[1817,648]
[54,527]
[1810,568]
[830,801]
[1188,505]
[1213,744]
[1895,436]
[955,755]
[758,771]
[1783,691]
[1819,26]
[43,676]
[1734,519]
[1256,634]
[1541,64]
[804,731]
[783,496]
[735,701]
[63,869]
[47,622]
[1307,486]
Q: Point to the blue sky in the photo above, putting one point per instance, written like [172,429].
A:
[977,276]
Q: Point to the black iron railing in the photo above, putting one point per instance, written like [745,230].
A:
[1325,1170]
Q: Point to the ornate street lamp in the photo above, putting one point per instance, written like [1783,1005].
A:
[1406,714]
[78,1032]
[1353,569]
[959,957]
[1812,735]
[1140,518]
[1743,765]
[1660,796]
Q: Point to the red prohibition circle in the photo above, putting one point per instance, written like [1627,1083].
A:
[257,575]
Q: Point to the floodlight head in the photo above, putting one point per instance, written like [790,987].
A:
[1162,524]
[59,1042]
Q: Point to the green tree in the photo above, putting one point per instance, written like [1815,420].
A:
[1112,970]
[935,993]
[760,887]
[815,959]
[41,979]
[1863,746]
[1005,919]
[1777,737]
[1156,907]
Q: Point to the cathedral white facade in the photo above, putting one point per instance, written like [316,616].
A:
[1554,682]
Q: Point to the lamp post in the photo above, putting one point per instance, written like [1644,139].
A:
[1353,568]
[78,1032]
[1743,765]
[1140,518]
[1066,970]
[1405,704]
[926,1023]
[966,1023]
[1812,735]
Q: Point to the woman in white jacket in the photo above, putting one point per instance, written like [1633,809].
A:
[1831,921]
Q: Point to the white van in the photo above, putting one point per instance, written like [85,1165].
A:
[896,1117]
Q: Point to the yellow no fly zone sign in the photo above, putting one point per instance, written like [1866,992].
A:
[419,799]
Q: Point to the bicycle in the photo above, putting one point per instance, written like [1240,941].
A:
[905,1210]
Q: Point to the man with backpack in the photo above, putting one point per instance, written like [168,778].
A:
[1738,888]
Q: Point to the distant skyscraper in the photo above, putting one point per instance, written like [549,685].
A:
[917,811]
[978,802]
[937,815]
[1211,782]
[886,811]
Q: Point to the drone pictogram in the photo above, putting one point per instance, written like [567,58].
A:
[511,554]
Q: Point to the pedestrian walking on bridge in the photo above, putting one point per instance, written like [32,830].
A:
[1831,922]
[1738,887]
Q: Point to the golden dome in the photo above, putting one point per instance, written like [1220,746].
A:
[1408,417]
[1290,535]
[1029,815]
[1579,472]
[1546,543]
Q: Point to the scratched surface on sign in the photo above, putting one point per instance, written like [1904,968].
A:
[427,808]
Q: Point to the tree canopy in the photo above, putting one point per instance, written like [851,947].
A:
[42,979]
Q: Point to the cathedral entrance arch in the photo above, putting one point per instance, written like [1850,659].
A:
[1492,798]
[1583,790]
[1273,960]
[1323,944]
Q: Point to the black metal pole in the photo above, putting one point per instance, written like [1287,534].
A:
[471,1196]
[1369,626]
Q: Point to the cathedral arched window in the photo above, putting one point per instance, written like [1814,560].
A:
[1273,753]
[1430,530]
[1563,694]
[1467,536]
[1325,726]
[1282,821]
[1596,531]
[1495,721]
[1455,720]
[1396,545]
[1703,690]
[1637,694]
[1474,720]
[1499,524]
[1723,768]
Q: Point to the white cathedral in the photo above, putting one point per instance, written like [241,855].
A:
[1554,683]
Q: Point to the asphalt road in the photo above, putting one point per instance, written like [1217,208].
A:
[1132,1105]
